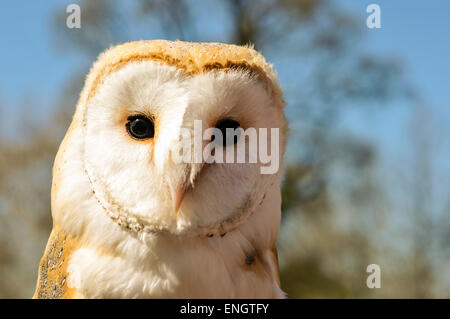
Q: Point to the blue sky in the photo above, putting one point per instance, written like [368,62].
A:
[418,32]
[29,60]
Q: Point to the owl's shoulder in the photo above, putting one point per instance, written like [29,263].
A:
[52,277]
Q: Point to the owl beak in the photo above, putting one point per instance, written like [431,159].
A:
[178,195]
[179,188]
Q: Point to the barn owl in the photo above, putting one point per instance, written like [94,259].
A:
[131,222]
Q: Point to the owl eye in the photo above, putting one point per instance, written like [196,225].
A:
[140,127]
[222,125]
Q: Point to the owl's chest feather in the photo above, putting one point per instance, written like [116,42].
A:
[165,268]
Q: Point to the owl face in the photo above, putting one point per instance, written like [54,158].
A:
[131,128]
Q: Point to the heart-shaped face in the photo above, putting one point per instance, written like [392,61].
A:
[143,130]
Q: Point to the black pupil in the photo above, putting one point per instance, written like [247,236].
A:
[140,127]
[230,124]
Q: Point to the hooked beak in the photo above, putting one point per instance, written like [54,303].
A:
[178,193]
[179,189]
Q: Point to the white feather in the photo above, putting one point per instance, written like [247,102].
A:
[105,174]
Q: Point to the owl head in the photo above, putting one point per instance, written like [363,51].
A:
[140,103]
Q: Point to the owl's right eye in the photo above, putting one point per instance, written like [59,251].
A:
[140,127]
[225,124]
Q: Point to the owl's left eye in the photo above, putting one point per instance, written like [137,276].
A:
[140,127]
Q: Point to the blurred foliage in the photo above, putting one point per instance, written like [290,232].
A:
[337,218]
